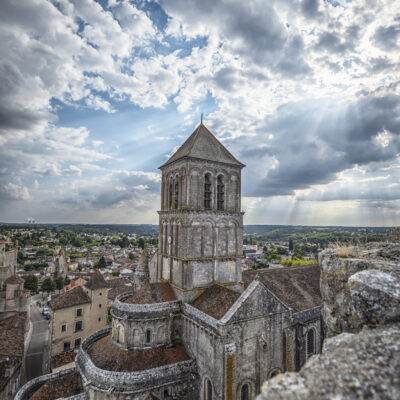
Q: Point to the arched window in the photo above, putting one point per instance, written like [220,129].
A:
[245,393]
[310,342]
[207,192]
[220,193]
[148,336]
[170,195]
[176,194]
[208,391]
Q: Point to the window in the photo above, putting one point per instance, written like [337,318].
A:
[67,346]
[220,193]
[176,194]
[207,192]
[78,326]
[100,294]
[64,328]
[77,342]
[99,319]
[99,305]
[148,336]
[170,195]
[208,391]
[245,392]
[310,342]
[79,312]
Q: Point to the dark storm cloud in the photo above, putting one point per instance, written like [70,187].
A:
[386,37]
[313,141]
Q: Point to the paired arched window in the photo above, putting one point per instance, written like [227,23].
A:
[220,192]
[208,390]
[310,342]
[148,336]
[245,392]
[207,192]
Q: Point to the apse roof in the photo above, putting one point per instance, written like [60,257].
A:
[203,145]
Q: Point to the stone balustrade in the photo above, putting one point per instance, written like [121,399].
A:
[120,309]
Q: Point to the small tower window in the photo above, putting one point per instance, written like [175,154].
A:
[220,193]
[207,192]
[208,390]
[176,195]
[310,343]
[148,336]
[170,195]
[245,392]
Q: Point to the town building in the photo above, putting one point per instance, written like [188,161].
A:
[195,326]
[77,313]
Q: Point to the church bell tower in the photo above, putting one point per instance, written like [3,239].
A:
[200,221]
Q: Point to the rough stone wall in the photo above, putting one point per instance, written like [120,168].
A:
[361,293]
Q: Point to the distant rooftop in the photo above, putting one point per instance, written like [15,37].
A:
[216,301]
[152,293]
[62,359]
[297,287]
[107,356]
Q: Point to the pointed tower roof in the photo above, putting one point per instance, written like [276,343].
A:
[96,281]
[142,269]
[202,144]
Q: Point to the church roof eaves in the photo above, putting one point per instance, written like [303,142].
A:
[194,148]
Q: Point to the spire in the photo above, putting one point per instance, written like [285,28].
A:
[203,145]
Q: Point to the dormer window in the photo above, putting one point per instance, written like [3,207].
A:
[220,193]
[207,192]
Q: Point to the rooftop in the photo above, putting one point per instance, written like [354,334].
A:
[14,279]
[152,293]
[62,359]
[12,331]
[296,287]
[107,356]
[216,301]
[73,297]
[66,386]
[202,144]
[96,281]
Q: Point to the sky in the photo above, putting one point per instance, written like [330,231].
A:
[95,95]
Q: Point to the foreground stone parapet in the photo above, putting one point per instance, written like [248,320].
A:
[352,366]
[358,286]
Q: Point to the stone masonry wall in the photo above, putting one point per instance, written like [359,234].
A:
[360,287]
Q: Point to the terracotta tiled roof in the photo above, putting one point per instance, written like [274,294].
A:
[116,291]
[71,298]
[12,331]
[66,386]
[115,282]
[96,281]
[152,293]
[297,287]
[14,280]
[216,301]
[107,356]
[75,283]
[62,359]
